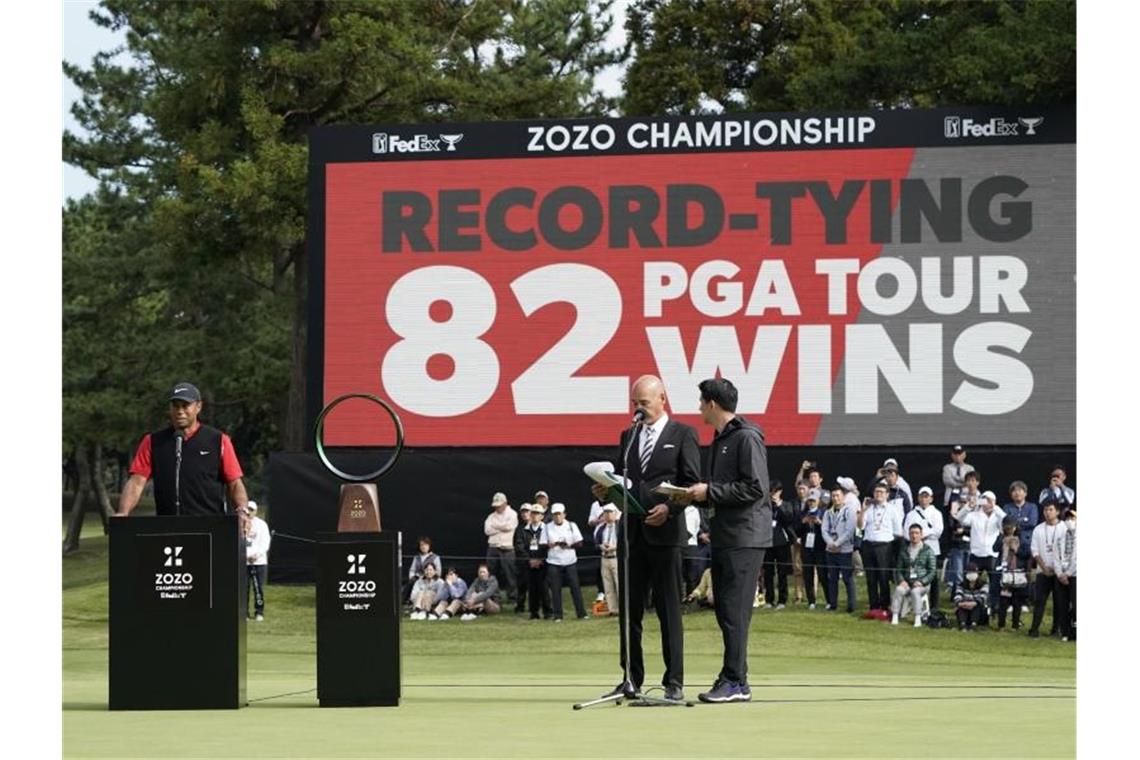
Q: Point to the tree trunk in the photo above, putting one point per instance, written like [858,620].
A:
[296,425]
[79,505]
[103,499]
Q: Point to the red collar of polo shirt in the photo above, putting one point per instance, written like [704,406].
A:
[190,432]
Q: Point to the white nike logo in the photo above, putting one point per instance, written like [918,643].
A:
[203,453]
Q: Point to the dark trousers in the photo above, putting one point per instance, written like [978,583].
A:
[932,593]
[556,575]
[523,579]
[696,560]
[777,567]
[538,595]
[734,573]
[501,563]
[1011,599]
[1065,607]
[988,564]
[659,567]
[257,578]
[967,619]
[839,564]
[1046,586]
[877,565]
[813,567]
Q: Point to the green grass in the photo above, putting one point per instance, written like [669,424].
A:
[824,685]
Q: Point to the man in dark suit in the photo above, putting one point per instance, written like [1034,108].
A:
[737,496]
[661,450]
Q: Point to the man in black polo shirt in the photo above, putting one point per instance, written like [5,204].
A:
[208,480]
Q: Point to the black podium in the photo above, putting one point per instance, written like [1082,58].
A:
[177,613]
[358,619]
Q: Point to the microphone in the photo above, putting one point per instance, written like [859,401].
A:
[179,434]
[639,417]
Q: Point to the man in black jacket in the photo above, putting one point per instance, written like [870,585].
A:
[736,495]
[661,450]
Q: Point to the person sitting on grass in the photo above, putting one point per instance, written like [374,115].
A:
[970,598]
[454,589]
[424,593]
[482,596]
[913,576]
[419,562]
[702,594]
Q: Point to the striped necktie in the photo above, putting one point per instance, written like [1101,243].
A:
[647,446]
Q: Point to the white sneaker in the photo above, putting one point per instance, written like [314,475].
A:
[600,598]
[811,606]
[780,606]
[444,616]
[1025,609]
[432,616]
[918,622]
[418,615]
[756,603]
[894,619]
[467,616]
[260,618]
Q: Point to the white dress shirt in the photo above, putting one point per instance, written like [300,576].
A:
[1047,544]
[657,427]
[882,522]
[692,523]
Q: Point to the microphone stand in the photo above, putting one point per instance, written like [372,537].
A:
[638,698]
[177,472]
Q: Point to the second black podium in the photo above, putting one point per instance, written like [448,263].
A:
[358,619]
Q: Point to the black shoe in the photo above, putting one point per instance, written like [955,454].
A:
[1033,633]
[674,694]
[583,617]
[625,689]
[535,617]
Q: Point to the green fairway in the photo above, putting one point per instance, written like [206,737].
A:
[824,684]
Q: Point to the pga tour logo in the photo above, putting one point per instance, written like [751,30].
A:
[388,143]
[956,126]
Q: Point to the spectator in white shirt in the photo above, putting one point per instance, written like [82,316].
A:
[984,523]
[1047,545]
[562,540]
[1064,497]
[595,519]
[500,530]
[954,473]
[606,537]
[697,550]
[1067,579]
[257,541]
[929,518]
[882,526]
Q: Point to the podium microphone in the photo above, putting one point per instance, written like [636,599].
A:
[639,417]
[179,434]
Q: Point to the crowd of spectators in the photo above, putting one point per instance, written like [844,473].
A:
[991,562]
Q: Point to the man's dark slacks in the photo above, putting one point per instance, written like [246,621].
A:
[734,573]
[659,566]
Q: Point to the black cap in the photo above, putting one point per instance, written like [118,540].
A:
[958,449]
[185,392]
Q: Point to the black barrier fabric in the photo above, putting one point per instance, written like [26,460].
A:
[446,492]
